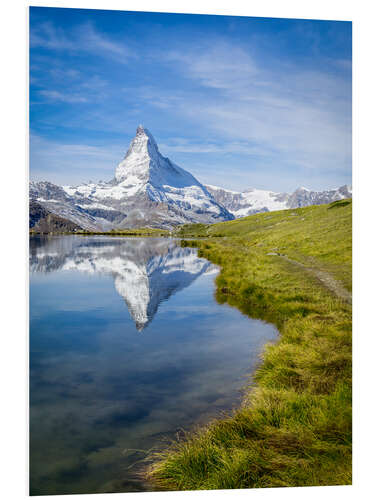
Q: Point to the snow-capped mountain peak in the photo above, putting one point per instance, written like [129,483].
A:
[143,163]
[148,190]
[137,159]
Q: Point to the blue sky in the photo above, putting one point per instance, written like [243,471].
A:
[239,102]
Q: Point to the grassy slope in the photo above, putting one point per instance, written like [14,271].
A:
[294,427]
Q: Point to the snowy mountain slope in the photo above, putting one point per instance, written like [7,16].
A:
[147,190]
[251,201]
[55,200]
[146,272]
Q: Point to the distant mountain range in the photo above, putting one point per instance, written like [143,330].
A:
[150,190]
[251,201]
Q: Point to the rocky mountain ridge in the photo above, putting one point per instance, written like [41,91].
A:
[251,201]
[44,221]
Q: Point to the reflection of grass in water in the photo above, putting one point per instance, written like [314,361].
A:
[77,455]
[72,468]
[294,428]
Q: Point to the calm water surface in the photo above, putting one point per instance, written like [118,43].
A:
[127,348]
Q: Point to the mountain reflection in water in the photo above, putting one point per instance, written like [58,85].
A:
[146,271]
[102,397]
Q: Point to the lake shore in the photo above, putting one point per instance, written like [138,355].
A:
[141,232]
[291,268]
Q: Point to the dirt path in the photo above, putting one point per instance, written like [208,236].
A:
[328,281]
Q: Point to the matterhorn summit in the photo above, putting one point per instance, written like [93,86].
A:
[173,192]
[143,163]
[143,152]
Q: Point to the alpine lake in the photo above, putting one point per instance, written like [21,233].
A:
[128,351]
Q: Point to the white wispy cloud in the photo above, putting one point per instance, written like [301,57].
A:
[56,95]
[50,160]
[61,73]
[93,41]
[301,114]
[181,145]
[221,66]
[82,38]
[69,86]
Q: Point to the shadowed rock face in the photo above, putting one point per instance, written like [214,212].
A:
[43,221]
[146,271]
